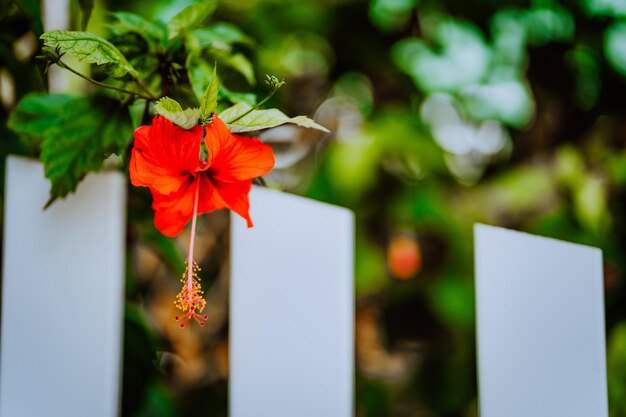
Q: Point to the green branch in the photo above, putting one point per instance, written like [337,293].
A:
[110,87]
[274,85]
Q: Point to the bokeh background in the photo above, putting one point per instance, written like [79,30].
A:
[443,113]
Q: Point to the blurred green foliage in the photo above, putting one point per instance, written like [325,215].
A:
[443,113]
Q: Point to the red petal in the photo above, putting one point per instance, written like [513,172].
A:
[233,157]
[173,211]
[209,199]
[159,179]
[235,196]
[169,223]
[164,156]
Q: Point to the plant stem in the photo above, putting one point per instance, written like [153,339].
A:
[191,244]
[142,85]
[103,85]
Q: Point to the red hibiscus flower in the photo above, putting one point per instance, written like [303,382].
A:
[166,158]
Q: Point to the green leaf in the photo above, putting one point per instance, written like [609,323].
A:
[235,97]
[208,104]
[76,135]
[199,73]
[86,7]
[87,47]
[126,22]
[31,9]
[168,251]
[167,105]
[221,34]
[238,62]
[92,129]
[190,17]
[253,120]
[36,116]
[172,111]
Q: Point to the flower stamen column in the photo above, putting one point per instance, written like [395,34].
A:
[190,299]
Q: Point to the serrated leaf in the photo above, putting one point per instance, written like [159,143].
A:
[167,105]
[262,119]
[172,111]
[93,128]
[76,135]
[126,22]
[36,116]
[208,104]
[89,48]
[189,18]
[86,7]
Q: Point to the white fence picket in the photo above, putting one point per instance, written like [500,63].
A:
[291,309]
[540,326]
[62,296]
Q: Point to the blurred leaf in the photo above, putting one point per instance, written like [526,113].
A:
[31,8]
[357,87]
[158,402]
[238,62]
[458,58]
[220,34]
[261,119]
[199,72]
[615,46]
[136,110]
[391,14]
[372,398]
[616,166]
[509,101]
[583,61]
[190,17]
[126,22]
[611,8]
[172,111]
[236,97]
[569,166]
[616,370]
[548,24]
[590,203]
[86,7]
[453,300]
[352,164]
[370,274]
[81,133]
[509,38]
[87,47]
[166,247]
[139,356]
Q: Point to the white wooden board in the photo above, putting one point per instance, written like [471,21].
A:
[62,296]
[291,311]
[540,326]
